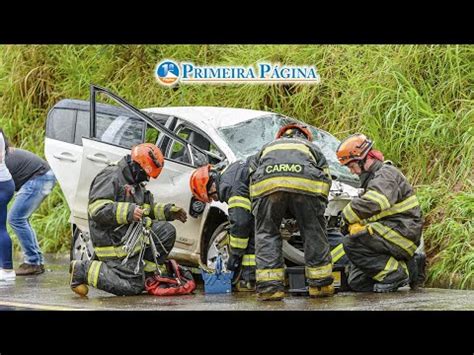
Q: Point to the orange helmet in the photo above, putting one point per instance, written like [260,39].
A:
[149,157]
[354,147]
[287,131]
[198,183]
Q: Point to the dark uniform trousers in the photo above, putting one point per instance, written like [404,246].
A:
[377,260]
[309,210]
[108,273]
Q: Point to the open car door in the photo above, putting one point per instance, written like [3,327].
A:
[111,137]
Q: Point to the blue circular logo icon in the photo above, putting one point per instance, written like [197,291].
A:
[167,72]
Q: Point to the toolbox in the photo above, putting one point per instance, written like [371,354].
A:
[217,281]
[298,285]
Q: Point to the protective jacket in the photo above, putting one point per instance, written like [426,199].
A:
[388,207]
[292,165]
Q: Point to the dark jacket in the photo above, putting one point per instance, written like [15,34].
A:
[113,197]
[389,206]
[290,164]
[233,188]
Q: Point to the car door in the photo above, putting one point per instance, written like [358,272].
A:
[173,185]
[62,152]
[114,137]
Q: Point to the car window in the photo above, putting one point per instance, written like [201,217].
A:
[124,131]
[151,134]
[82,126]
[61,124]
[178,151]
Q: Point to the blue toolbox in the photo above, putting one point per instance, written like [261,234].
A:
[217,281]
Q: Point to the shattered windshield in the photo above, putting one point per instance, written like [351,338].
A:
[248,137]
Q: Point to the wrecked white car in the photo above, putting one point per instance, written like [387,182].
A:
[82,137]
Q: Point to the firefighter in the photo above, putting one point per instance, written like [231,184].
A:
[117,198]
[231,185]
[383,224]
[290,175]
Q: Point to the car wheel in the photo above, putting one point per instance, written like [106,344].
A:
[81,246]
[219,244]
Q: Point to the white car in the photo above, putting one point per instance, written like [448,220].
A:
[80,144]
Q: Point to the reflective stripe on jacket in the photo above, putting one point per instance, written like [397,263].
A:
[290,164]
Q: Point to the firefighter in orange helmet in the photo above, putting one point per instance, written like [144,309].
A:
[231,185]
[383,225]
[117,198]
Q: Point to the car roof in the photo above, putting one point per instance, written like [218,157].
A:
[205,116]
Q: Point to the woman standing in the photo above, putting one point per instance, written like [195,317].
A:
[7,189]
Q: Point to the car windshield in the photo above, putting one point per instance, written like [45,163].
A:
[248,137]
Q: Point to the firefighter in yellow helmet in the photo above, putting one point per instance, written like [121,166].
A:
[290,175]
[383,225]
[117,198]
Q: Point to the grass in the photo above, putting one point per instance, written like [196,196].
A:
[416,102]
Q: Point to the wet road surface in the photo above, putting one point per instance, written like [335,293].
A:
[50,291]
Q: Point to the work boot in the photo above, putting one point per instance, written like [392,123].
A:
[323,291]
[29,269]
[271,296]
[390,287]
[245,286]
[76,282]
[416,268]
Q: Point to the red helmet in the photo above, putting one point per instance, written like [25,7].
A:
[198,183]
[287,131]
[149,157]
[354,147]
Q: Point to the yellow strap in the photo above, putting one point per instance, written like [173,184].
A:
[377,197]
[350,215]
[270,275]
[159,211]
[97,204]
[403,206]
[248,260]
[318,272]
[239,243]
[337,253]
[294,183]
[392,265]
[93,273]
[394,237]
[114,251]
[122,212]
[288,146]
[240,201]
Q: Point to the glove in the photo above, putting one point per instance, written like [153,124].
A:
[147,222]
[233,263]
[178,213]
[356,228]
[146,209]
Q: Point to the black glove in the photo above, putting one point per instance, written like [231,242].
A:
[233,263]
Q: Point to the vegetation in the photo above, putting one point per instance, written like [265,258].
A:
[416,102]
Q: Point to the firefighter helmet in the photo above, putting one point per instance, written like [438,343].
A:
[198,183]
[149,157]
[292,129]
[353,148]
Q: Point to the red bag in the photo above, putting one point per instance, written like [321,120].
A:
[181,281]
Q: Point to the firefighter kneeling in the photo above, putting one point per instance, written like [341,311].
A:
[291,174]
[118,198]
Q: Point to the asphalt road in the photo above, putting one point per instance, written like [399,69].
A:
[50,291]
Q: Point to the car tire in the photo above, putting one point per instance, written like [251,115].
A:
[81,246]
[213,249]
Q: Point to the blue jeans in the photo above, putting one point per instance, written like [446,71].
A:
[27,200]
[7,189]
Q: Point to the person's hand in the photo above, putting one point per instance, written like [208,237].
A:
[356,228]
[147,222]
[178,213]
[137,214]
